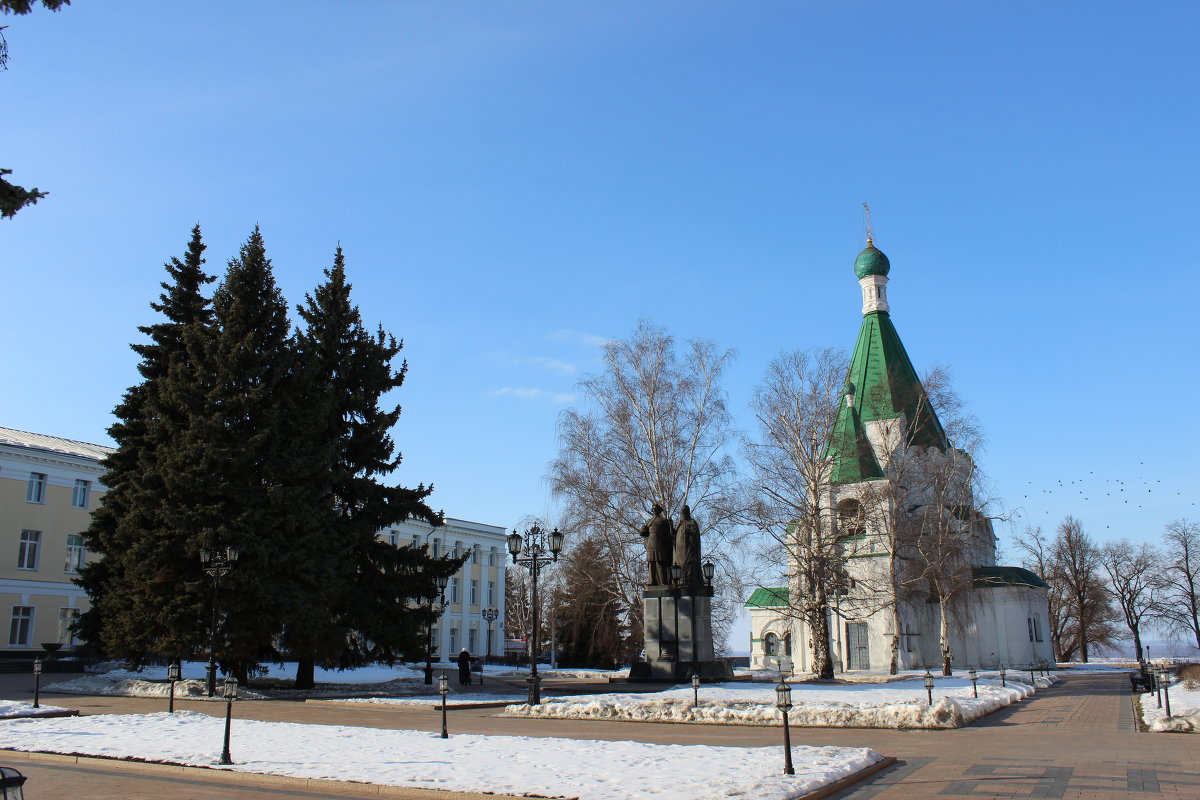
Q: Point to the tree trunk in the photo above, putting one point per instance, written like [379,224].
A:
[1137,641]
[305,674]
[944,636]
[818,634]
[894,663]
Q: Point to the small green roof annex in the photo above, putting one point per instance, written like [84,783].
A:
[768,598]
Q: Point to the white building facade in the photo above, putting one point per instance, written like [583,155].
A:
[478,586]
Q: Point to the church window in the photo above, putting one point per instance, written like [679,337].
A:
[1035,628]
[770,644]
[850,518]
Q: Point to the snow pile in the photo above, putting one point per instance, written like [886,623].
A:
[121,683]
[1185,710]
[12,709]
[897,704]
[430,701]
[151,682]
[517,765]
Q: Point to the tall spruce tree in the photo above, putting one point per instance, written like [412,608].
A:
[243,466]
[344,371]
[145,589]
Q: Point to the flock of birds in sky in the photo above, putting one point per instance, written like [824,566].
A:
[1131,493]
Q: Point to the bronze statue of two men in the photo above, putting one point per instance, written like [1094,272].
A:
[669,543]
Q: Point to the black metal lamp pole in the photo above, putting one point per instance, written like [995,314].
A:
[695,690]
[974,678]
[1002,683]
[172,676]
[490,614]
[216,565]
[37,681]
[541,549]
[1165,681]
[443,690]
[231,687]
[783,701]
[929,686]
[431,615]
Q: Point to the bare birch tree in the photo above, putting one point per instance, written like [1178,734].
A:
[657,433]
[796,407]
[1181,578]
[1135,583]
[928,460]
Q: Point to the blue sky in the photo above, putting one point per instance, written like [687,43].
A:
[515,181]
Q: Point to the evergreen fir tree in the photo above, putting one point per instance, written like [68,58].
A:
[345,371]
[587,610]
[145,590]
[238,461]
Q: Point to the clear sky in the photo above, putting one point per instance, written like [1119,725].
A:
[515,181]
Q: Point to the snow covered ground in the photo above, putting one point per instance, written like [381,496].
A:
[590,770]
[10,709]
[1185,709]
[895,704]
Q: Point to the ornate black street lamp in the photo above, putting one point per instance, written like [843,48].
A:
[1002,684]
[231,690]
[432,610]
[1164,680]
[783,701]
[929,686]
[974,681]
[11,784]
[695,690]
[443,690]
[172,678]
[490,614]
[37,680]
[541,549]
[216,565]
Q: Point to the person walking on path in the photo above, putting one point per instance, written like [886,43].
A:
[464,668]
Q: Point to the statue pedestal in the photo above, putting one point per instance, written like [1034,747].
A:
[678,637]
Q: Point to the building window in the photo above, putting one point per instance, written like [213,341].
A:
[437,547]
[67,617]
[1035,629]
[36,491]
[75,552]
[454,590]
[79,495]
[474,592]
[472,639]
[491,593]
[392,537]
[453,642]
[27,553]
[21,631]
[458,549]
[475,554]
[770,644]
[492,557]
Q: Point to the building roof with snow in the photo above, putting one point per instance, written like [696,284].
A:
[53,444]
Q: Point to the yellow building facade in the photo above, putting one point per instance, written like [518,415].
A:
[48,489]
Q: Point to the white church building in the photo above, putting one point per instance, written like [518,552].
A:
[884,426]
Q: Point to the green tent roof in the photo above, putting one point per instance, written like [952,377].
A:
[1007,576]
[884,385]
[768,598]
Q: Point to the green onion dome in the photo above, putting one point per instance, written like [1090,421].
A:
[871,261]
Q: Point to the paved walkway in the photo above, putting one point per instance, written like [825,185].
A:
[1076,740]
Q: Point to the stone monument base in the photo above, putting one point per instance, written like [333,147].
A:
[678,637]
